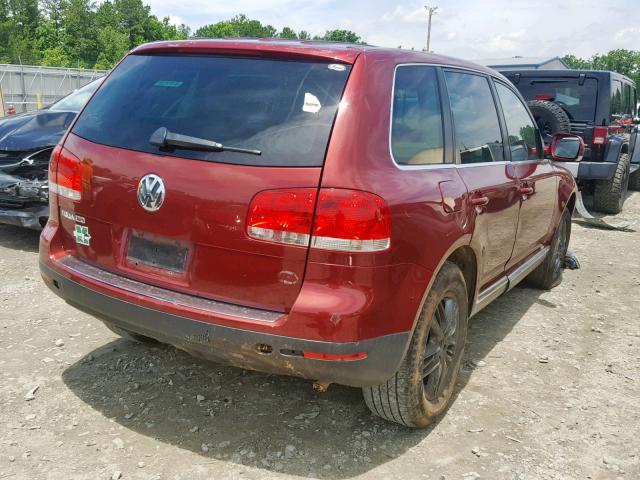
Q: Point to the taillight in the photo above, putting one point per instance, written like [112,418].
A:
[282,216]
[66,173]
[345,220]
[600,135]
[352,221]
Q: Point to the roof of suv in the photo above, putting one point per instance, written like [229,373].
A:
[568,73]
[340,52]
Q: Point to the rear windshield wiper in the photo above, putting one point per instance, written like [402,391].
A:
[162,137]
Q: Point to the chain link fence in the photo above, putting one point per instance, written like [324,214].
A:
[29,87]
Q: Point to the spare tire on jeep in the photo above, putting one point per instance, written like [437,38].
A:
[549,117]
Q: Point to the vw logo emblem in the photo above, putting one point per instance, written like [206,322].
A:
[151,192]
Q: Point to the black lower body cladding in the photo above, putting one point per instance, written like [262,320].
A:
[240,348]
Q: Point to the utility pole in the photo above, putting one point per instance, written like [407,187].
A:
[432,11]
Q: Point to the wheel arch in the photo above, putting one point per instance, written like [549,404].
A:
[571,203]
[465,259]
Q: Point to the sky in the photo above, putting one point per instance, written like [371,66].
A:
[469,29]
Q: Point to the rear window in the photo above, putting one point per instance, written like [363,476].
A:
[285,109]
[579,101]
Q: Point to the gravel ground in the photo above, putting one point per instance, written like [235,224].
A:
[550,389]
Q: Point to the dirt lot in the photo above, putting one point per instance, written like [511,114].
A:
[550,390]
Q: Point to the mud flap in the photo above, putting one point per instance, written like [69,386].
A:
[582,215]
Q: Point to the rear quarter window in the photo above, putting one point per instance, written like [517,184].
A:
[416,127]
[285,109]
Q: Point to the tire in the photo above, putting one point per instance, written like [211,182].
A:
[634,181]
[609,195]
[549,117]
[136,337]
[548,274]
[407,398]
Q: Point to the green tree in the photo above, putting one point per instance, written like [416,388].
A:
[112,45]
[626,62]
[52,10]
[217,30]
[576,63]
[55,57]
[287,32]
[340,36]
[79,37]
[238,26]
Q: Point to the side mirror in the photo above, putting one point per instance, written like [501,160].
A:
[566,148]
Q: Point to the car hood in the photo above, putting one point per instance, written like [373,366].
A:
[31,131]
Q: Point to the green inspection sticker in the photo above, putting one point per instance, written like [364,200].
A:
[167,83]
[81,234]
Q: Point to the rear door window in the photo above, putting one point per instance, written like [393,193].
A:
[416,129]
[285,109]
[478,137]
[521,129]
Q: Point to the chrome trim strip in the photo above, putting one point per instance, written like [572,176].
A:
[489,294]
[506,283]
[164,295]
[523,270]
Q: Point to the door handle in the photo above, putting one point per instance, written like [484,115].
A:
[480,201]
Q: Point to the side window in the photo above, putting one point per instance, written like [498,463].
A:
[627,99]
[521,130]
[477,130]
[416,126]
[617,108]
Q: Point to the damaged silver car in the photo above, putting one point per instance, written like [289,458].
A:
[26,142]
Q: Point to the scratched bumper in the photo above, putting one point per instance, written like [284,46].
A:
[238,347]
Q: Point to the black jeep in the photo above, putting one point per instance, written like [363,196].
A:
[600,107]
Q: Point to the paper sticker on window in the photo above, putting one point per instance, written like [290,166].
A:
[337,67]
[311,103]
[167,83]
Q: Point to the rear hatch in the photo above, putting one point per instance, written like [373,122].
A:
[577,96]
[195,241]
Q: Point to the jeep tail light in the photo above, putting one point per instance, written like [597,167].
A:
[600,135]
[547,98]
[345,220]
[67,170]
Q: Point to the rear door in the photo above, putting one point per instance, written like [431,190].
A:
[537,186]
[490,179]
[196,240]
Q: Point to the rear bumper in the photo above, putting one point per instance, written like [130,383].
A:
[234,346]
[31,217]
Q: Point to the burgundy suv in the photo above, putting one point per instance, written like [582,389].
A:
[335,212]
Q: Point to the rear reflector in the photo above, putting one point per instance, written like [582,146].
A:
[600,135]
[345,220]
[68,174]
[548,98]
[336,357]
